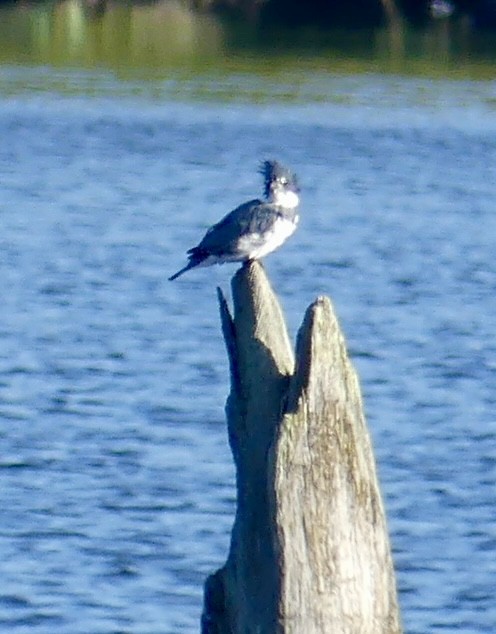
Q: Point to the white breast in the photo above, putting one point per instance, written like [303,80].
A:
[280,232]
[286,198]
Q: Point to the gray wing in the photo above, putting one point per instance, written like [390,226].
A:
[255,216]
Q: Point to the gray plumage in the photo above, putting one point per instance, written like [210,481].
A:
[253,229]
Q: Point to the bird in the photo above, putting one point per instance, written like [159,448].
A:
[256,227]
[440,9]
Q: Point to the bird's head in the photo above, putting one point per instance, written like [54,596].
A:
[280,184]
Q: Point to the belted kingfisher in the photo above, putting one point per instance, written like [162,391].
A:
[255,228]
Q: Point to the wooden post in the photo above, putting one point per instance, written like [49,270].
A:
[309,552]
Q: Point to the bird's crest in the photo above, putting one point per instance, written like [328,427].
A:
[273,171]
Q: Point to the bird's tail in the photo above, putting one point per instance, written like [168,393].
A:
[188,266]
[195,259]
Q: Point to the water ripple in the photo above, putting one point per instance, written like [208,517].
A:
[117,489]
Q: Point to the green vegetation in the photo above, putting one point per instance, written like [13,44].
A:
[169,41]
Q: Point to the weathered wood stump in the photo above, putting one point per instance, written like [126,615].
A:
[310,551]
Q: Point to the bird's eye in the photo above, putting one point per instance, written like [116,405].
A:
[284,180]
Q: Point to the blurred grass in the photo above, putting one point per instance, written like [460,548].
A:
[165,39]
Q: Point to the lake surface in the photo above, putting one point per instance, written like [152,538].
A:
[117,493]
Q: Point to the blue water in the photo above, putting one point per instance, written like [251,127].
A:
[116,495]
